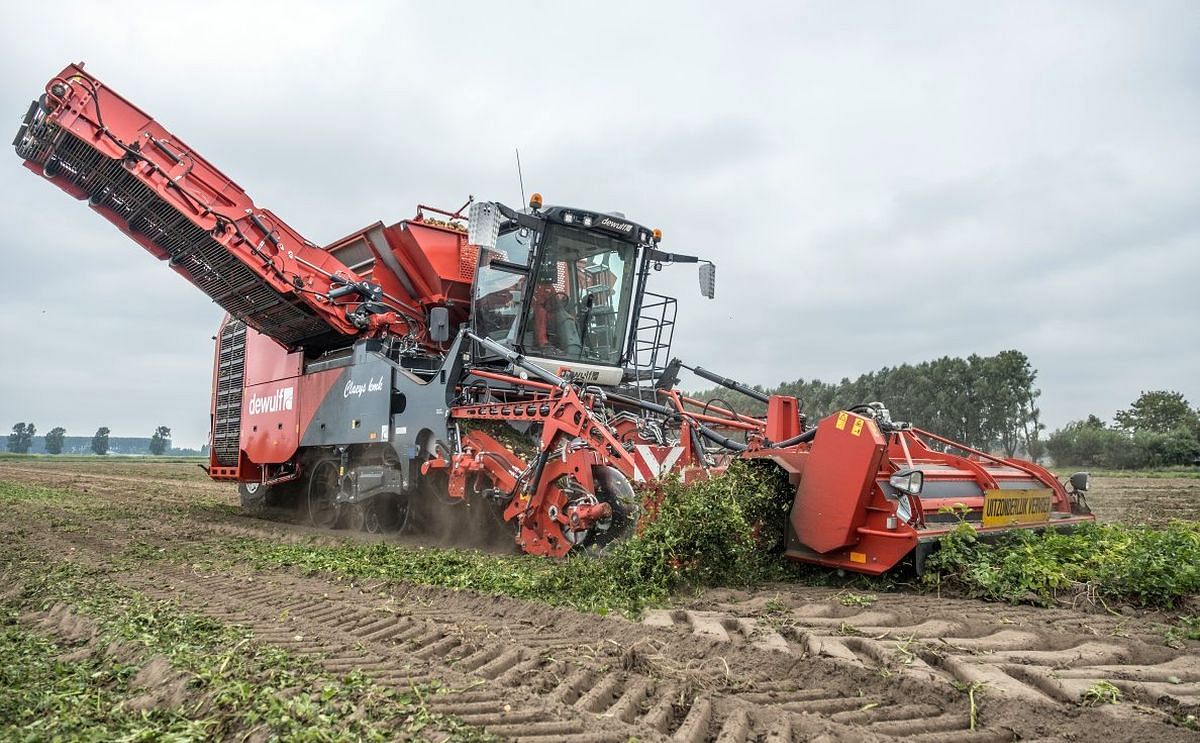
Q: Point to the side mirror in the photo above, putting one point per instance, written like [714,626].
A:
[908,481]
[439,324]
[708,280]
[483,225]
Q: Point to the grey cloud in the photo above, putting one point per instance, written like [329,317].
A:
[703,149]
[878,184]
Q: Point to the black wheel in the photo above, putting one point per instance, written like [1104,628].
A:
[322,491]
[254,498]
[613,488]
[384,513]
[372,520]
[435,485]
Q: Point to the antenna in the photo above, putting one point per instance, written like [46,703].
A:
[520,178]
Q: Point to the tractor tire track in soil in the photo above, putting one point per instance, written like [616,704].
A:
[731,667]
[1039,656]
[530,672]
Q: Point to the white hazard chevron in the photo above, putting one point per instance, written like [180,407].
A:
[654,461]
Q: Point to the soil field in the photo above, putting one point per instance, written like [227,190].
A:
[785,662]
[1145,500]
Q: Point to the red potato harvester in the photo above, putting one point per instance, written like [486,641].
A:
[505,367]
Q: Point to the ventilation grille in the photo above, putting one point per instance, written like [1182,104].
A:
[231,373]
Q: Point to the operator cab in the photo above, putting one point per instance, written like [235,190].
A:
[559,285]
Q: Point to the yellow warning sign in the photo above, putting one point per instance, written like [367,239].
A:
[841,421]
[856,429]
[1005,507]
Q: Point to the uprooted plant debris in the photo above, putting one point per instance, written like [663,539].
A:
[728,531]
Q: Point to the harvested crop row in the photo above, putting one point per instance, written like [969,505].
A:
[84,657]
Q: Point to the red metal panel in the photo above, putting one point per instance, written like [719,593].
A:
[267,361]
[783,417]
[436,261]
[839,474]
[276,413]
[270,421]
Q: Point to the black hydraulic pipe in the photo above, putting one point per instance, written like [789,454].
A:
[697,444]
[263,228]
[803,438]
[342,291]
[732,384]
[517,359]
[653,407]
[539,466]
[162,147]
[720,440]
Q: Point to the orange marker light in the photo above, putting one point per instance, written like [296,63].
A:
[657,235]
[535,201]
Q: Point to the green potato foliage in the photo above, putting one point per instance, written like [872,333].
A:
[1136,565]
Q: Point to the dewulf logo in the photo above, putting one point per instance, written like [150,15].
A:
[579,375]
[612,224]
[358,389]
[280,401]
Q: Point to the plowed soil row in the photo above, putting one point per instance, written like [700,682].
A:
[785,663]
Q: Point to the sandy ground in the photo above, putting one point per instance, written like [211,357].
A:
[1145,500]
[782,663]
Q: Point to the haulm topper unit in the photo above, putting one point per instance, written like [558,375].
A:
[505,367]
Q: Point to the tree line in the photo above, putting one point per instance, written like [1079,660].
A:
[20,441]
[990,403]
[1159,429]
[987,402]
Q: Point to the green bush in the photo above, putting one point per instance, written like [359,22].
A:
[727,530]
[1087,445]
[1177,447]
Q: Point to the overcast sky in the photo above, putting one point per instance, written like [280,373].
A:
[878,183]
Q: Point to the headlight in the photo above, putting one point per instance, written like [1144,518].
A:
[1080,481]
[483,224]
[908,481]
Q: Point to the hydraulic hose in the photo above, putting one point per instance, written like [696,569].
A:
[517,359]
[720,440]
[653,407]
[732,384]
[803,438]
